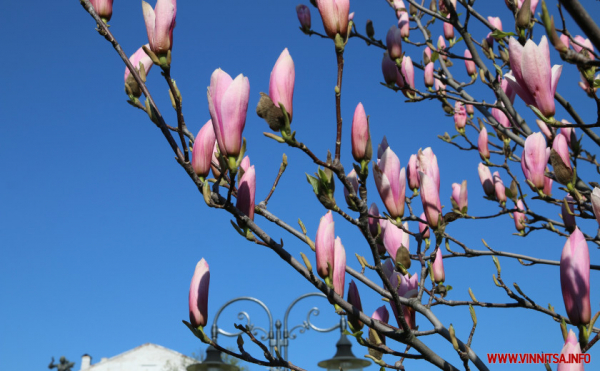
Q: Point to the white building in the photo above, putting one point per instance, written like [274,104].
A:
[147,357]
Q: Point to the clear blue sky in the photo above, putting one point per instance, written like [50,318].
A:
[100,229]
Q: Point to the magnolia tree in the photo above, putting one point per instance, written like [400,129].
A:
[519,163]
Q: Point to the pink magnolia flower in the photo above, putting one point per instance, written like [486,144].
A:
[214,160]
[381,315]
[501,117]
[496,22]
[423,226]
[586,43]
[470,109]
[389,70]
[351,16]
[534,4]
[482,144]
[427,163]
[441,45]
[469,64]
[245,164]
[361,138]
[562,148]
[428,74]
[393,42]
[585,85]
[246,192]
[281,84]
[485,176]
[354,181]
[547,184]
[439,86]
[354,300]
[403,18]
[569,134]
[390,180]
[430,196]
[519,217]
[139,58]
[303,13]
[413,173]
[324,245]
[442,6]
[439,276]
[160,23]
[499,187]
[460,195]
[507,89]
[448,30]
[567,218]
[335,16]
[571,347]
[381,148]
[202,152]
[406,80]
[531,76]
[339,267]
[198,298]
[103,8]
[534,159]
[575,278]
[460,116]
[408,288]
[228,103]
[595,198]
[394,237]
[427,55]
[548,132]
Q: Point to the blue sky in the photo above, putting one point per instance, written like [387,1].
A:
[100,229]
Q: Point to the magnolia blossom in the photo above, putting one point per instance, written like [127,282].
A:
[569,134]
[571,348]
[160,23]
[532,6]
[496,22]
[448,30]
[585,85]
[562,148]
[439,276]
[354,300]
[482,144]
[390,180]
[138,60]
[393,42]
[228,103]
[324,245]
[428,74]
[353,179]
[485,176]
[339,267]
[469,64]
[499,187]
[519,217]
[361,138]
[335,16]
[103,8]
[246,192]
[430,197]
[406,80]
[389,69]
[198,297]
[413,173]
[531,76]
[460,195]
[381,315]
[303,13]
[427,163]
[575,278]
[423,227]
[281,84]
[460,115]
[534,159]
[408,288]
[394,237]
[583,43]
[403,19]
[548,132]
[202,152]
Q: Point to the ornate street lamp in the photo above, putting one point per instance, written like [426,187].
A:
[279,338]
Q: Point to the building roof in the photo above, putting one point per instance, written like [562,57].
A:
[146,357]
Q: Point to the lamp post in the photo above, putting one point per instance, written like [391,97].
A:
[278,336]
